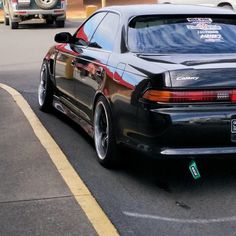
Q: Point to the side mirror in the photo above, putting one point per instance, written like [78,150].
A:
[94,45]
[63,37]
[1,4]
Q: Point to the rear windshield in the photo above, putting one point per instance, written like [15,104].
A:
[193,34]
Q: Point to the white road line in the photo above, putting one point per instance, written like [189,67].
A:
[176,220]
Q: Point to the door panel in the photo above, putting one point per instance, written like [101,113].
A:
[65,68]
[91,65]
[64,71]
[90,73]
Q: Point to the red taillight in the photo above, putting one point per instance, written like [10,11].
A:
[59,11]
[21,12]
[233,96]
[190,96]
[14,1]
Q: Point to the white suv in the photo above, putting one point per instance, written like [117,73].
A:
[231,4]
[16,11]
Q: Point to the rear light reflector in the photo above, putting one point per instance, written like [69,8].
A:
[166,96]
[21,12]
[59,11]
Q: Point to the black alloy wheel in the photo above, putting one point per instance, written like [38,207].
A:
[45,89]
[104,137]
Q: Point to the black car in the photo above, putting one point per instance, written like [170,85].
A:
[158,78]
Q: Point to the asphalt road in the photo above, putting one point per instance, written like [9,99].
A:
[144,197]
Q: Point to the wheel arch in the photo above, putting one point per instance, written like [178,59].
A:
[50,65]
[97,96]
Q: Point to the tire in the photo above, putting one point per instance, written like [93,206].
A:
[104,135]
[45,89]
[6,20]
[60,23]
[46,4]
[13,25]
[49,21]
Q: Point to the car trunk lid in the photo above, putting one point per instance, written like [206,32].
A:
[198,71]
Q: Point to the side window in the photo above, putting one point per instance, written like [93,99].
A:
[104,36]
[85,32]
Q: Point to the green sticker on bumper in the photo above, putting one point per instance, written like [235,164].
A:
[194,170]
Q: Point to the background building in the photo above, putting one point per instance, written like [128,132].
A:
[80,4]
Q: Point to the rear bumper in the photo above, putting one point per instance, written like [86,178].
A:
[185,132]
[57,13]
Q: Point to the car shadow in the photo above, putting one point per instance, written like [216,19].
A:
[155,178]
[175,172]
[169,174]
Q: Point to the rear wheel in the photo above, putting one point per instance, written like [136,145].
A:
[49,21]
[13,25]
[6,20]
[45,89]
[104,136]
[60,23]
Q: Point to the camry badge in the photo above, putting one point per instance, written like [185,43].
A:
[187,78]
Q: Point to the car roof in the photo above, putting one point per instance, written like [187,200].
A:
[167,9]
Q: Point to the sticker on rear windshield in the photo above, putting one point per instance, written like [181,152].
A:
[206,31]
[204,26]
[211,37]
[199,20]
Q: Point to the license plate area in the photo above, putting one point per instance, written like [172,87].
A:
[233,126]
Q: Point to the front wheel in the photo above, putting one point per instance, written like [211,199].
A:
[6,20]
[13,25]
[104,135]
[45,89]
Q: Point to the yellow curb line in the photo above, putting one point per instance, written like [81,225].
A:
[93,211]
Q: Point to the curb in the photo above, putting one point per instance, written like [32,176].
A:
[95,214]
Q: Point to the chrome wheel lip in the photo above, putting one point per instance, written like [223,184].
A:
[42,86]
[101,134]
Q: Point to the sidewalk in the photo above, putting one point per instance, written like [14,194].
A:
[34,199]
[40,193]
